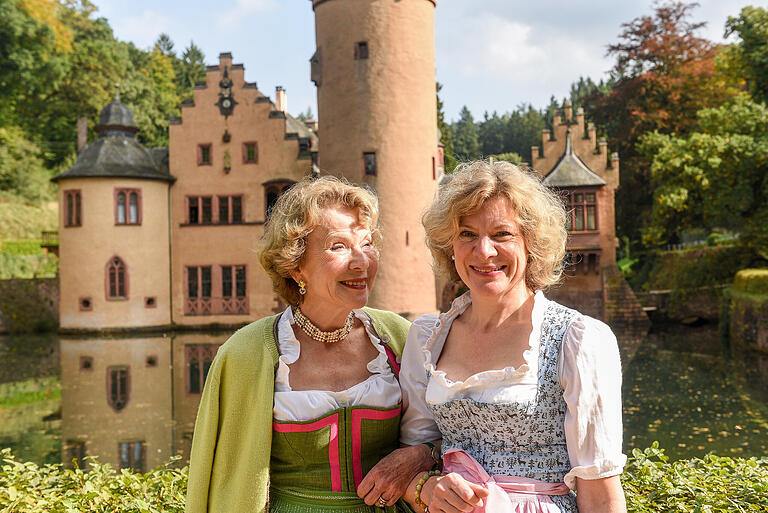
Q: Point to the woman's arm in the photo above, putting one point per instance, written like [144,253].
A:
[391,476]
[449,493]
[600,495]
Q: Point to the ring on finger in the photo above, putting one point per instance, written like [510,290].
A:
[382,502]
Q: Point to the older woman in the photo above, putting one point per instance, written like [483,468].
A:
[298,407]
[524,392]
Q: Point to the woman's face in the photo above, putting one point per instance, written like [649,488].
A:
[340,262]
[489,250]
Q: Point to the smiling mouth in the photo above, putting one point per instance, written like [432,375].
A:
[355,284]
[487,269]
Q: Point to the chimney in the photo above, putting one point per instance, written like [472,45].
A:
[82,133]
[311,124]
[281,99]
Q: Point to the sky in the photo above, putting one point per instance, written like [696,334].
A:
[491,55]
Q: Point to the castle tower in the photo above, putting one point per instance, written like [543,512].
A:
[374,68]
[113,230]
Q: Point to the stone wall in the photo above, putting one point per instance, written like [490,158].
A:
[28,305]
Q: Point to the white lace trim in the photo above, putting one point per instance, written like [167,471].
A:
[380,389]
[508,375]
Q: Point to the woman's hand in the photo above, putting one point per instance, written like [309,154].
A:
[390,477]
[452,493]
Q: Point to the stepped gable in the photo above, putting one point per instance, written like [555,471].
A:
[116,152]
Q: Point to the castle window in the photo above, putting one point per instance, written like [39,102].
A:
[117,279]
[127,206]
[369,163]
[199,358]
[132,455]
[304,145]
[227,281]
[204,157]
[250,153]
[118,386]
[199,209]
[237,209]
[273,190]
[150,302]
[223,209]
[361,50]
[582,208]
[75,453]
[73,205]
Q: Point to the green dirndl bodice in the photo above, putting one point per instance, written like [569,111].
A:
[316,465]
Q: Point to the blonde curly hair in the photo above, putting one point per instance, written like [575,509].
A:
[540,214]
[295,214]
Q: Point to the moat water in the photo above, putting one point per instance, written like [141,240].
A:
[133,401]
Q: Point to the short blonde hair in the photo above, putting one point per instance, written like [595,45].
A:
[540,214]
[295,214]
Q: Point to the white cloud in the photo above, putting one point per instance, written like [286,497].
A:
[243,8]
[512,61]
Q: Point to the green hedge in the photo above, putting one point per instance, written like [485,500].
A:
[713,484]
[752,281]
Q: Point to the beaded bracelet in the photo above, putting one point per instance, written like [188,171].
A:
[424,478]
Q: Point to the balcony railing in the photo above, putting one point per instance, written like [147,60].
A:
[216,306]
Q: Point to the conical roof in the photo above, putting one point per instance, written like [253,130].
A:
[116,152]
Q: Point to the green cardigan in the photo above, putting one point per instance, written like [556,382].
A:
[229,463]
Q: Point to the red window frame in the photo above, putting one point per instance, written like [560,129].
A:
[581,204]
[126,455]
[116,279]
[361,50]
[118,386]
[73,205]
[198,359]
[272,191]
[124,214]
[201,153]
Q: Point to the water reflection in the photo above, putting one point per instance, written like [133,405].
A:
[132,401]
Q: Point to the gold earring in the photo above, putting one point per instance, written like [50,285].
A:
[302,287]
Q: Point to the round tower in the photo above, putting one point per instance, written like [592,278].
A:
[113,230]
[374,68]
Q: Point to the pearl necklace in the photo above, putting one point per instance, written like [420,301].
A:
[327,337]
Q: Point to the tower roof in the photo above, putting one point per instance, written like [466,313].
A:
[116,152]
[570,171]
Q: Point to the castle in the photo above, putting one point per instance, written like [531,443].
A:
[158,238]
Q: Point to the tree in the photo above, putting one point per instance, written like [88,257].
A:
[715,177]
[165,45]
[444,129]
[664,74]
[491,134]
[21,169]
[465,136]
[751,53]
[523,130]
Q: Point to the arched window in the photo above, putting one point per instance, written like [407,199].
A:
[118,386]
[120,208]
[117,279]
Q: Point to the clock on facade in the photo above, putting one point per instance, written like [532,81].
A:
[226,101]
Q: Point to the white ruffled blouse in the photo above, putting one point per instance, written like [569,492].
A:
[379,390]
[589,370]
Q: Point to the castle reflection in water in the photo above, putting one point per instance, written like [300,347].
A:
[132,401]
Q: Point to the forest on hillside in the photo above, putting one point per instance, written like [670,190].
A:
[687,116]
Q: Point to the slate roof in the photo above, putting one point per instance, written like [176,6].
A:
[570,171]
[117,153]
